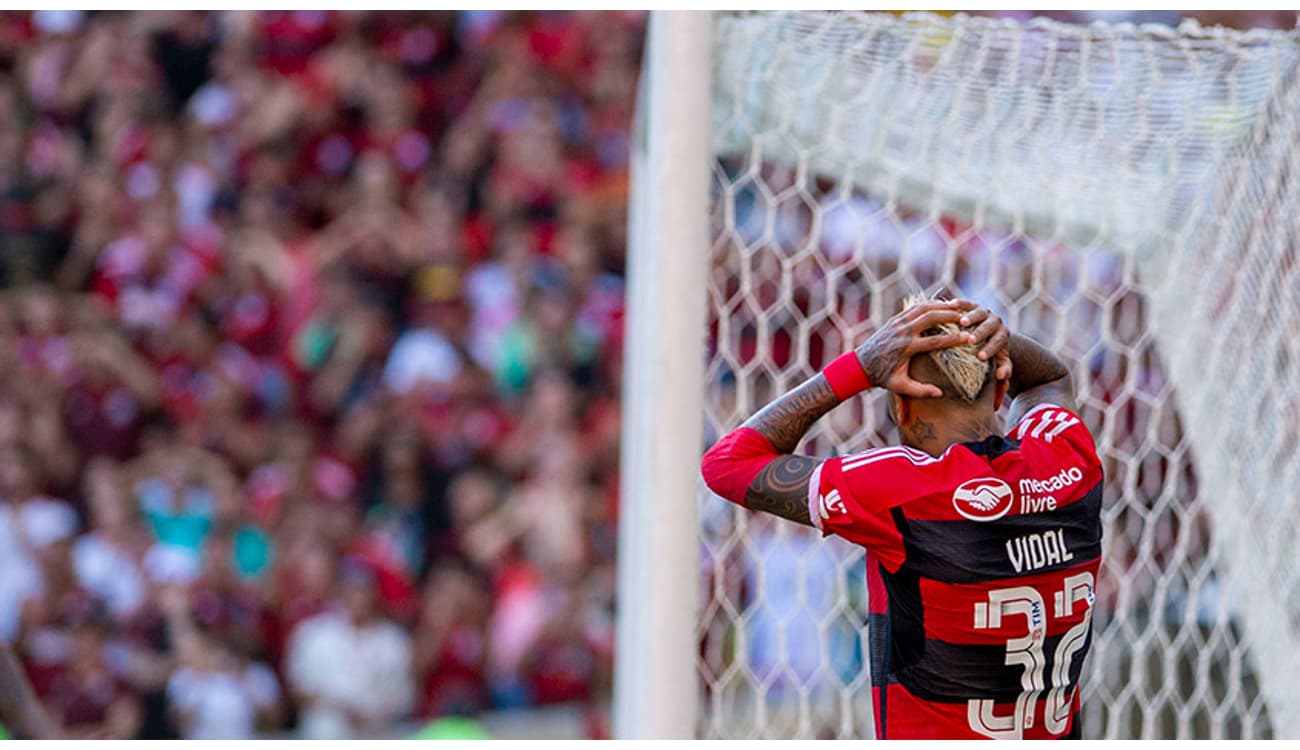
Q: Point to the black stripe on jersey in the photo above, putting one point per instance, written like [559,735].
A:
[1076,728]
[956,673]
[992,446]
[976,551]
[906,610]
[879,640]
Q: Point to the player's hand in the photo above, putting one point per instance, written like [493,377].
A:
[991,333]
[886,355]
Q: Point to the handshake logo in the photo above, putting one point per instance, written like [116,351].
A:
[983,499]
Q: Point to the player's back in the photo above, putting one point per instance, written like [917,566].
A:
[981,569]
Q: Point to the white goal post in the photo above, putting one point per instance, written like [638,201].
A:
[663,393]
[1128,195]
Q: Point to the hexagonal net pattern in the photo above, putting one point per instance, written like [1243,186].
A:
[1124,195]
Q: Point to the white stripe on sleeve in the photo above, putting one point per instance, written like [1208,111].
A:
[815,496]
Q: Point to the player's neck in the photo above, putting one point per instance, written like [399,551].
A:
[934,433]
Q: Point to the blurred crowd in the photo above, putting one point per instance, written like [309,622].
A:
[310,326]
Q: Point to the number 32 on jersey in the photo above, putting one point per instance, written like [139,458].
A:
[1027,652]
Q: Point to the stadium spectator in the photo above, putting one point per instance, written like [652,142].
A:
[350,666]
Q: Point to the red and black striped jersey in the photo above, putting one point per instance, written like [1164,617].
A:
[981,565]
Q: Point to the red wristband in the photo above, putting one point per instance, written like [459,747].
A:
[846,376]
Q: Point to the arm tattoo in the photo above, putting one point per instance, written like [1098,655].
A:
[1032,365]
[1057,392]
[785,420]
[782,488]
[18,707]
[1037,377]
[883,352]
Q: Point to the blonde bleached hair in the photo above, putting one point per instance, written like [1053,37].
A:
[960,365]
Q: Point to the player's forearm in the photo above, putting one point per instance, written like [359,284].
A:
[18,706]
[1032,365]
[751,466]
[786,420]
[781,488]
[732,465]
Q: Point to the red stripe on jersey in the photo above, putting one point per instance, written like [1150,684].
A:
[950,609]
[1047,472]
[877,596]
[1054,482]
[908,717]
[838,510]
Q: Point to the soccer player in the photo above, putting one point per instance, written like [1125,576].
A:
[982,547]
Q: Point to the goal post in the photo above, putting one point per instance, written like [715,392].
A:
[1128,195]
[655,683]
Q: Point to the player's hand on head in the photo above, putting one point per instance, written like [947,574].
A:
[991,333]
[886,355]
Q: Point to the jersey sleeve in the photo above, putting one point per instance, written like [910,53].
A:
[854,496]
[1059,431]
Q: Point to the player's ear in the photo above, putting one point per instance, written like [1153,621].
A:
[902,409]
[891,407]
[999,393]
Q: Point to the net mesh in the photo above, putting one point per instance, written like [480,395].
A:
[1122,194]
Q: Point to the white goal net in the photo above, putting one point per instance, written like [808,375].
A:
[1126,195]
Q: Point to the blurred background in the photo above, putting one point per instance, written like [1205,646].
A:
[310,333]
